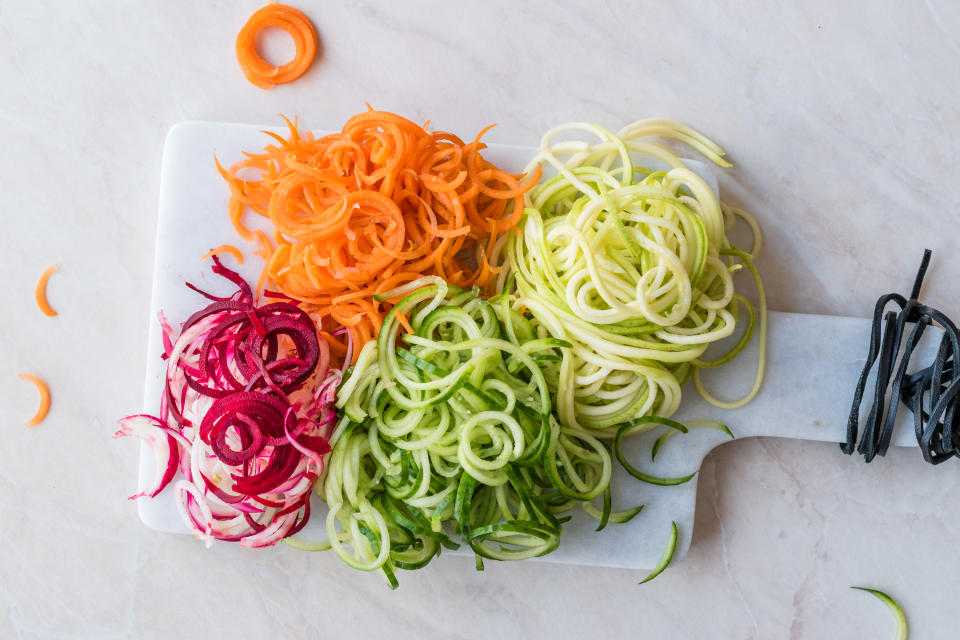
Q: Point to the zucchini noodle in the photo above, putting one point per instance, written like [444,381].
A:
[631,264]
[449,430]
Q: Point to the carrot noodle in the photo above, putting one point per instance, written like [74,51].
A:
[40,293]
[402,319]
[225,248]
[258,71]
[376,206]
[44,399]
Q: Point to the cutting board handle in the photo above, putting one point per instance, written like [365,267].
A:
[813,363]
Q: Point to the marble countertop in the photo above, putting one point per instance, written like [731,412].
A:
[843,127]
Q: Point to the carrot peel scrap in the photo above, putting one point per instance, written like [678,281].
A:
[225,248]
[44,399]
[40,293]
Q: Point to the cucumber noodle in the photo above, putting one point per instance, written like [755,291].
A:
[453,425]
[632,265]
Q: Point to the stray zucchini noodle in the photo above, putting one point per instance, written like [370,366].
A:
[898,615]
[631,264]
[667,556]
[449,429]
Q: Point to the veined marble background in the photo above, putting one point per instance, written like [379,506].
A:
[842,121]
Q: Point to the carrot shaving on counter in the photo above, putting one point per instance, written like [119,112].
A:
[225,248]
[258,71]
[40,293]
[44,399]
[378,205]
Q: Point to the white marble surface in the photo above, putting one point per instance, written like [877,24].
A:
[843,125]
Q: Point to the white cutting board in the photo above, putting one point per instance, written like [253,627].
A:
[812,365]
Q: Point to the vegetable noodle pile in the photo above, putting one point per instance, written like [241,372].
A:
[452,424]
[376,206]
[630,264]
[500,335]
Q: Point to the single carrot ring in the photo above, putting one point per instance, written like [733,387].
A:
[44,399]
[40,293]
[261,73]
[225,248]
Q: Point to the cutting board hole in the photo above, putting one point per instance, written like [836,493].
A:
[275,46]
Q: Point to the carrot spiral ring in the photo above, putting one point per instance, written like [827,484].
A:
[261,73]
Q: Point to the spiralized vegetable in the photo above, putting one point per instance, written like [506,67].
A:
[378,205]
[932,393]
[225,248]
[258,71]
[40,292]
[44,406]
[891,604]
[486,420]
[667,556]
[632,265]
[452,425]
[246,412]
